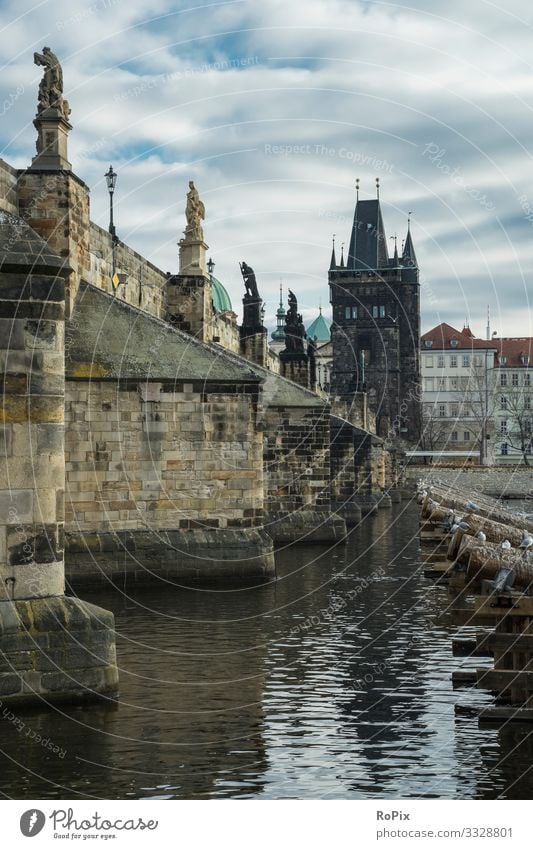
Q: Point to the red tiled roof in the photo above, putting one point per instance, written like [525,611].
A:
[514,348]
[442,335]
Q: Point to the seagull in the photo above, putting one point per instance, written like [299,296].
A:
[481,536]
[464,526]
[470,505]
[527,540]
[505,545]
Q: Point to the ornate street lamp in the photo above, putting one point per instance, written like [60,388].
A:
[210,266]
[111,180]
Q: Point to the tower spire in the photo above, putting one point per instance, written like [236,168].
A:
[488,322]
[408,254]
[377,187]
[357,188]
[342,255]
[333,262]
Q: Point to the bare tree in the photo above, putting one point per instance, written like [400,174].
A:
[433,430]
[479,402]
[518,432]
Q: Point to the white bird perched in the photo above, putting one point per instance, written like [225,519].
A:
[464,526]
[470,505]
[481,536]
[505,545]
[454,528]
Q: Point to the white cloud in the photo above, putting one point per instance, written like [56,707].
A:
[168,92]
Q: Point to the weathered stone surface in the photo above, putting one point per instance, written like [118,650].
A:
[143,555]
[62,648]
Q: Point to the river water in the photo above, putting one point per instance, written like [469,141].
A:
[332,682]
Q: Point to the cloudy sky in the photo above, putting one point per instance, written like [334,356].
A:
[274,108]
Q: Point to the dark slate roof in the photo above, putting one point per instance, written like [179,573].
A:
[112,339]
[409,255]
[21,247]
[368,242]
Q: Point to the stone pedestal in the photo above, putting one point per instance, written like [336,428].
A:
[192,257]
[295,366]
[52,128]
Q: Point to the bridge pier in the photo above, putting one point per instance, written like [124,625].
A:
[51,647]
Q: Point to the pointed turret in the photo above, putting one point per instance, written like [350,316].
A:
[342,255]
[333,263]
[409,255]
[368,242]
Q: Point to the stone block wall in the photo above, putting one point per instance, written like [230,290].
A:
[8,188]
[226,331]
[296,458]
[32,294]
[189,305]
[56,205]
[161,456]
[143,284]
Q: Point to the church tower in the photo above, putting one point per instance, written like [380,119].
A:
[376,324]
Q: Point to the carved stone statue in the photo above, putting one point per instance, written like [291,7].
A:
[294,327]
[195,214]
[250,282]
[51,85]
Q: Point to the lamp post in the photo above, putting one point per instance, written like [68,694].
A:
[210,266]
[111,180]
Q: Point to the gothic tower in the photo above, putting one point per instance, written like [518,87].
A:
[376,325]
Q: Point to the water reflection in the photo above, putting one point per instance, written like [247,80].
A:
[334,682]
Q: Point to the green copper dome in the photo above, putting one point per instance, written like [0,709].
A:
[320,328]
[221,299]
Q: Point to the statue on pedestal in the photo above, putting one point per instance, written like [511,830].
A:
[250,282]
[51,85]
[252,303]
[195,214]
[294,327]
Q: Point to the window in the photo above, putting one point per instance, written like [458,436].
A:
[453,343]
[374,311]
[442,410]
[478,360]
[503,379]
[503,427]
[527,425]
[454,383]
[514,378]
[429,362]
[466,436]
[503,402]
[503,361]
[453,361]
[454,436]
[350,312]
[428,343]
[441,384]
[527,379]
[527,403]
[440,361]
[466,361]
[504,448]
[524,360]
[382,311]
[454,410]
[378,311]
[429,384]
